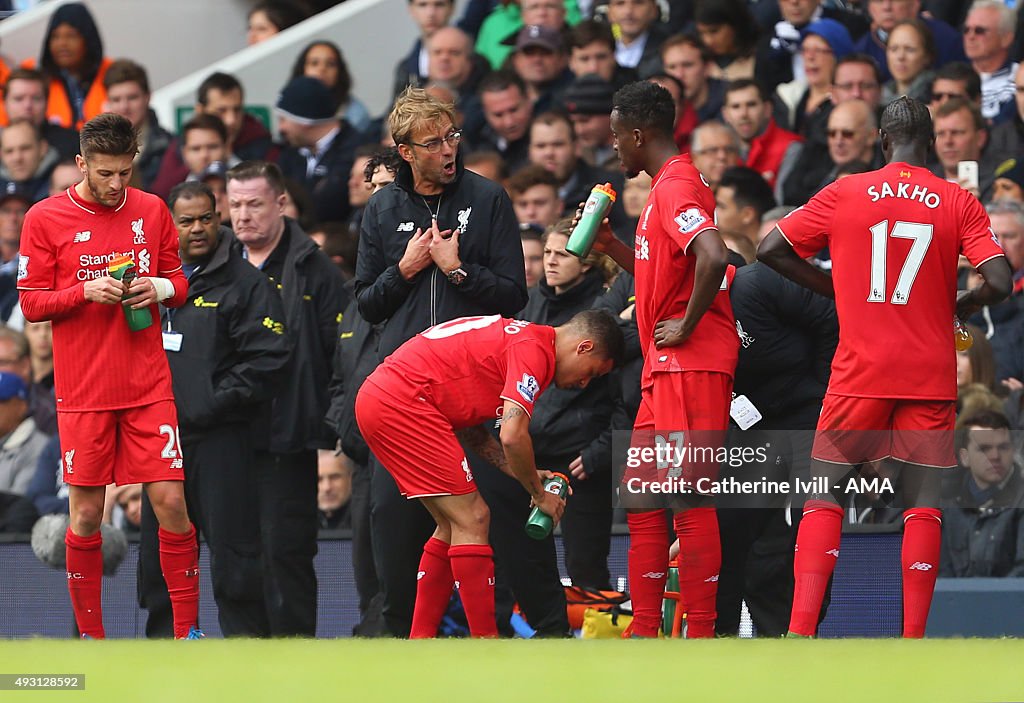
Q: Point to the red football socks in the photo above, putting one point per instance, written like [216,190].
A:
[922,539]
[433,589]
[817,550]
[648,565]
[473,569]
[179,560]
[700,560]
[85,574]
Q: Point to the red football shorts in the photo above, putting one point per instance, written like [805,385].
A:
[854,430]
[686,415]
[131,445]
[416,445]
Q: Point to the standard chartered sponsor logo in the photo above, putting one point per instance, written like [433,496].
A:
[93,266]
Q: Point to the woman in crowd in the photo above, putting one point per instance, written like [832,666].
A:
[824,43]
[976,365]
[273,16]
[910,55]
[728,30]
[323,60]
[72,59]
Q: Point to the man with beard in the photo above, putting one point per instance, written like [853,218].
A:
[117,424]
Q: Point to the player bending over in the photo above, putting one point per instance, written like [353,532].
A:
[435,391]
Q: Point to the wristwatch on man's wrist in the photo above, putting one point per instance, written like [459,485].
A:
[456,276]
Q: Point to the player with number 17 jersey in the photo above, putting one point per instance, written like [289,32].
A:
[99,363]
[895,236]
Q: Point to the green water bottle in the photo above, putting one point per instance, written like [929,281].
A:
[540,524]
[123,269]
[668,609]
[585,231]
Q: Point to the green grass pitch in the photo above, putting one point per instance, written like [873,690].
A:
[359,671]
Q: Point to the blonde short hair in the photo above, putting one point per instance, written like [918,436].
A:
[416,108]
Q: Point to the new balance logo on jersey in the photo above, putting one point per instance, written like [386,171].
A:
[420,574]
[83,236]
[833,552]
[406,226]
[143,261]
[140,235]
[464,219]
[642,250]
[921,566]
[711,579]
[69,456]
[654,575]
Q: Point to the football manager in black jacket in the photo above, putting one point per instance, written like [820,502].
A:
[440,243]
[224,346]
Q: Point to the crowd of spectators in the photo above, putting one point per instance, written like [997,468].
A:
[775,100]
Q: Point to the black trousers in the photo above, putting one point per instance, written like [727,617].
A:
[587,531]
[287,489]
[222,504]
[757,539]
[523,565]
[363,568]
[528,566]
[399,528]
[757,566]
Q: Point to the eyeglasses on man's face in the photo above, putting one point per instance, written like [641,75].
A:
[452,139]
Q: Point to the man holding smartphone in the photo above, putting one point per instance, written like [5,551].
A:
[960,137]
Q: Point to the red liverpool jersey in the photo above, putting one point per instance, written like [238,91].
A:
[678,209]
[99,364]
[465,367]
[895,236]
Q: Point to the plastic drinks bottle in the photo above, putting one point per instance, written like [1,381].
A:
[123,269]
[670,604]
[961,335]
[596,209]
[540,524]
